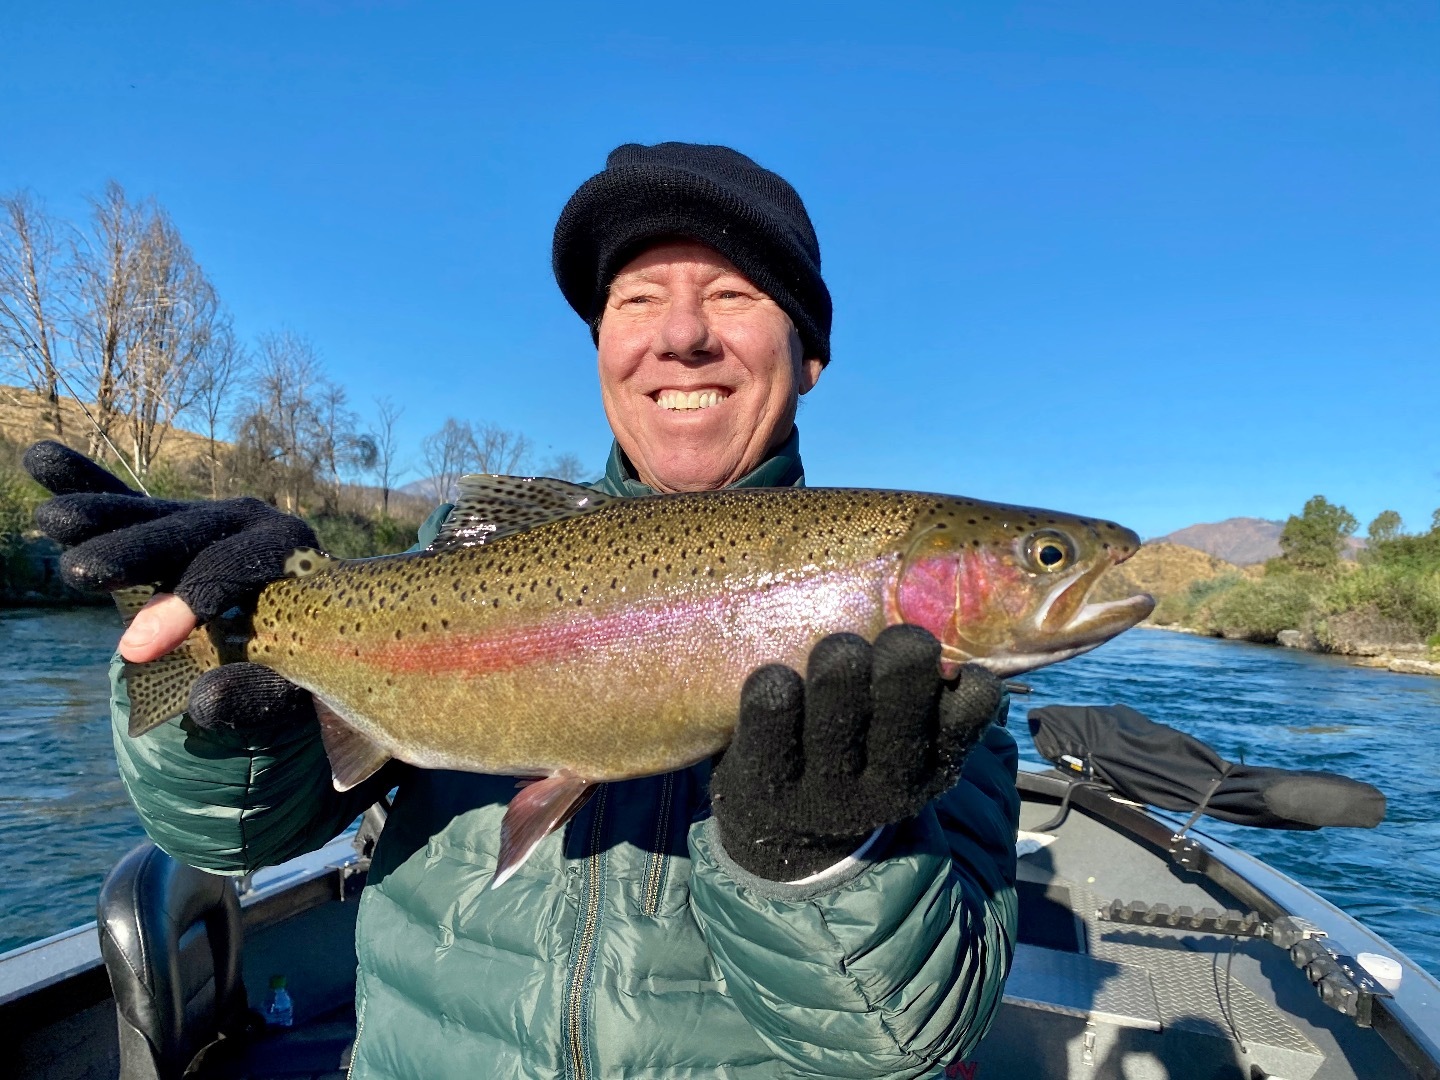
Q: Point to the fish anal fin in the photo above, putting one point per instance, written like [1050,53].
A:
[305,561]
[353,757]
[489,507]
[537,810]
[160,689]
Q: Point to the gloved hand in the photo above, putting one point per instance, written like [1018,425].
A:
[211,555]
[868,738]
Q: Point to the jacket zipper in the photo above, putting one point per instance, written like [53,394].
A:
[355,1046]
[655,866]
[574,1025]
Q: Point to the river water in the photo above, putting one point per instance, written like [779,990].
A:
[65,819]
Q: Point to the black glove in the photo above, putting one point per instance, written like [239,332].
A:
[867,739]
[213,555]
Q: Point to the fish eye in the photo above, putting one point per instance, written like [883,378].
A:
[1050,551]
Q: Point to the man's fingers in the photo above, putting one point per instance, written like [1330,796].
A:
[164,622]
[966,707]
[838,708]
[158,550]
[234,570]
[76,518]
[767,739]
[906,685]
[57,468]
[244,696]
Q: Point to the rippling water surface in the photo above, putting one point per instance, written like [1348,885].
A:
[65,818]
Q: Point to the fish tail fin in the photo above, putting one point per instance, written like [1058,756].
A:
[538,810]
[160,689]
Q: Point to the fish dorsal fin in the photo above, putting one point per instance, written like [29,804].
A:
[489,507]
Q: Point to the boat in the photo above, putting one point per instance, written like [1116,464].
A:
[1147,949]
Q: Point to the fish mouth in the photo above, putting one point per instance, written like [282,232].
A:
[1066,624]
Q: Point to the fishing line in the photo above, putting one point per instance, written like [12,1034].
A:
[101,432]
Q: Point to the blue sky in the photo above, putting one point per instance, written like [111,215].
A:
[1163,263]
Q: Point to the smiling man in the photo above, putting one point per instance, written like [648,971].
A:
[808,908]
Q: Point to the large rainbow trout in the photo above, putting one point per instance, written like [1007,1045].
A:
[554,632]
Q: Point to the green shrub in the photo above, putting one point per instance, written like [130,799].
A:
[1259,610]
[353,536]
[1401,590]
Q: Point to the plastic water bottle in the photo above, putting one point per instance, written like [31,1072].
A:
[279,1009]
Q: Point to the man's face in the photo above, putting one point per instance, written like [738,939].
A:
[700,371]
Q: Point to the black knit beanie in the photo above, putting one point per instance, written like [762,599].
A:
[694,192]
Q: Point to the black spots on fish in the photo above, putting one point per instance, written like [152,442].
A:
[975,543]
[445,623]
[399,634]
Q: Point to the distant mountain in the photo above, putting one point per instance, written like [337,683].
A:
[1240,540]
[1243,541]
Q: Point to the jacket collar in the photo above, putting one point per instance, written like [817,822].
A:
[782,469]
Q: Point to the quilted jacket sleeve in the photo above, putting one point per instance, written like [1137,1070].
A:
[225,803]
[894,971]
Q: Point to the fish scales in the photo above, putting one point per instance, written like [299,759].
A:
[615,643]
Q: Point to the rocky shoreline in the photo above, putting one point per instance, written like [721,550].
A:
[1401,659]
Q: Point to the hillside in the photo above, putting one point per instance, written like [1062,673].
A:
[1242,541]
[22,422]
[1168,572]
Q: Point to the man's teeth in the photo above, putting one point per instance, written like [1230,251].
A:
[694,399]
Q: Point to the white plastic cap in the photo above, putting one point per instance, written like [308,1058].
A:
[1386,970]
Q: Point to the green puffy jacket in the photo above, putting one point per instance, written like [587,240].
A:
[629,945]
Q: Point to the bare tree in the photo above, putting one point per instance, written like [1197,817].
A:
[103,262]
[221,365]
[385,469]
[499,451]
[29,308]
[566,467]
[277,449]
[336,444]
[448,454]
[169,328]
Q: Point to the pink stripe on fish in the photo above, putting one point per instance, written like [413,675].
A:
[740,620]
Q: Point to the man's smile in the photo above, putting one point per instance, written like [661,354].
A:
[685,400]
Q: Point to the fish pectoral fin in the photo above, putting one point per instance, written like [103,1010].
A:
[536,811]
[353,757]
[489,507]
[159,690]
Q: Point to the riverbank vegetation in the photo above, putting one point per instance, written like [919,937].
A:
[1386,601]
[116,312]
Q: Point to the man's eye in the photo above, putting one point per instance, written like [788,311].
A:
[728,294]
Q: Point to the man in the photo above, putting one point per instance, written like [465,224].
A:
[815,924]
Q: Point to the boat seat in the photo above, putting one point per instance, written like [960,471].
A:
[171,938]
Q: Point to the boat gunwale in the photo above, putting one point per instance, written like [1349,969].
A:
[1408,1021]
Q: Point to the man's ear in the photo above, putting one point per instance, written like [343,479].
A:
[810,373]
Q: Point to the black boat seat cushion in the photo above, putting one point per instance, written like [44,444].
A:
[1156,764]
[171,938]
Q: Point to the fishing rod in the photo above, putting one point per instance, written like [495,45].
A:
[101,432]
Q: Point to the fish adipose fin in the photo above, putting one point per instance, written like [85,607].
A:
[160,690]
[489,507]
[353,757]
[306,561]
[533,814]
